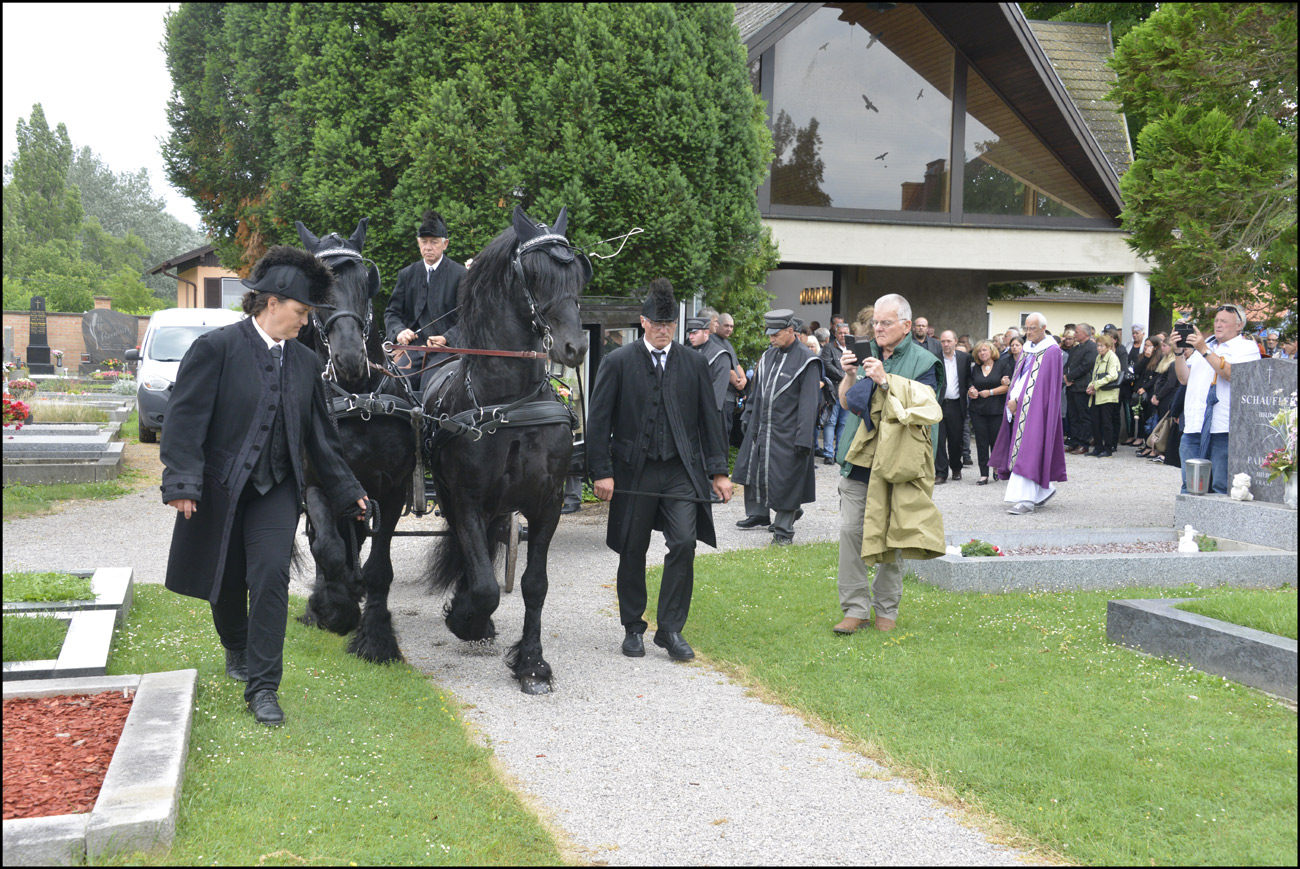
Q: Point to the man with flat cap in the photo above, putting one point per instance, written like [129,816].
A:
[423,307]
[775,462]
[248,404]
[655,432]
[710,346]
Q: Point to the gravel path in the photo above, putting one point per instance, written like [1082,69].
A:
[646,761]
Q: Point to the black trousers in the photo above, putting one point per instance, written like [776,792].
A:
[986,432]
[1105,425]
[948,454]
[253,605]
[1080,418]
[678,519]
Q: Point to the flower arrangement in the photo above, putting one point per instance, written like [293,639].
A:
[15,412]
[112,364]
[977,548]
[58,357]
[1282,461]
[22,387]
[105,375]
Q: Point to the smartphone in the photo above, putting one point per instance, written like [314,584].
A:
[1182,330]
[861,348]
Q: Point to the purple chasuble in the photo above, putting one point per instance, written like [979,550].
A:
[1032,443]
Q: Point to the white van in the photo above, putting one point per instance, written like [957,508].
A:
[170,334]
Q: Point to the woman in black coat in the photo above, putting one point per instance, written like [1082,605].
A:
[988,396]
[247,403]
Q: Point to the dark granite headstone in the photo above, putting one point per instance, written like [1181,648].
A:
[108,335]
[1259,390]
[38,346]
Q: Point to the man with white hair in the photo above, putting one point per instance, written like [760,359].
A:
[1030,449]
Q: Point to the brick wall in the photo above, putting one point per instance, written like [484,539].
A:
[64,332]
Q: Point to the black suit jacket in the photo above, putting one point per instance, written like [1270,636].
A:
[426,306]
[963,376]
[1078,368]
[619,427]
[218,421]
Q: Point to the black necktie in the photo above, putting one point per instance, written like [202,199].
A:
[659,361]
[275,353]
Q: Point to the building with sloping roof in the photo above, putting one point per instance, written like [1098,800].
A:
[932,149]
[201,280]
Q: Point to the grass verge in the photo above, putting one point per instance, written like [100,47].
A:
[21,501]
[33,638]
[372,767]
[1263,610]
[1016,706]
[29,586]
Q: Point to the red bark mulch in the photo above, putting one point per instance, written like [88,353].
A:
[57,751]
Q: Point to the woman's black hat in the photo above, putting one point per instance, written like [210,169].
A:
[293,273]
[432,224]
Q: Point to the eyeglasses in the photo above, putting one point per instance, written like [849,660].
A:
[660,324]
[883,324]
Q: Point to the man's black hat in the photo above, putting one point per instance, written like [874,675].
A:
[432,224]
[775,321]
[293,273]
[695,323]
[660,306]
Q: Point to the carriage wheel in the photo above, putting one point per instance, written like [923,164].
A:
[512,552]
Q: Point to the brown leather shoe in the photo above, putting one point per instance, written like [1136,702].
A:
[884,624]
[850,625]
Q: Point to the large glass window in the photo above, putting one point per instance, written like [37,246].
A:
[1008,170]
[862,112]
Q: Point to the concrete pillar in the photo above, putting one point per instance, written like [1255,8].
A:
[1137,303]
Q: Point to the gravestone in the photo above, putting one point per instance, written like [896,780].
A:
[9,344]
[108,335]
[1259,390]
[38,347]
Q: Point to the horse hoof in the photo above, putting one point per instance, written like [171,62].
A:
[533,685]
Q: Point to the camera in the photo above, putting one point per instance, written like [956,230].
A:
[861,348]
[1182,329]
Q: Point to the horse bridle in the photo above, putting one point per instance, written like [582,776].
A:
[541,325]
[322,329]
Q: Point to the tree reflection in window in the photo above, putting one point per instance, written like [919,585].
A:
[797,180]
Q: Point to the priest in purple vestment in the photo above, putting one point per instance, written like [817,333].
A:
[1030,450]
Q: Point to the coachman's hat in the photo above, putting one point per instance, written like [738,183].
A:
[660,306]
[694,324]
[777,320]
[293,273]
[432,224]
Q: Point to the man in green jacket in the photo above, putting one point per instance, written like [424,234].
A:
[890,353]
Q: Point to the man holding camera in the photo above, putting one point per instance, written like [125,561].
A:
[1204,366]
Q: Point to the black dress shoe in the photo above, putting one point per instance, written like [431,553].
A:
[956,476]
[798,513]
[266,708]
[678,648]
[781,540]
[965,460]
[633,646]
[828,461]
[939,481]
[753,522]
[237,665]
[570,508]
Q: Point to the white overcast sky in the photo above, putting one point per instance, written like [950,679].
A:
[99,69]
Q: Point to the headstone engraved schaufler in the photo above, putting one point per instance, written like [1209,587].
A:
[108,335]
[38,347]
[1259,390]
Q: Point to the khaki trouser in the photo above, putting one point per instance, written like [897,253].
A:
[857,593]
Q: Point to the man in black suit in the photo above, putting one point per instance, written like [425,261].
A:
[423,307]
[921,335]
[1078,372]
[654,431]
[956,380]
[248,404]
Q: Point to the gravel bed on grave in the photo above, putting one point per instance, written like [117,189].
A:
[646,761]
[1134,548]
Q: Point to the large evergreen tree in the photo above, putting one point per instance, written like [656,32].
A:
[629,114]
[1212,195]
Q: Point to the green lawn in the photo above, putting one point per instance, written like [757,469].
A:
[33,638]
[30,586]
[21,500]
[1018,707]
[1259,609]
[373,766]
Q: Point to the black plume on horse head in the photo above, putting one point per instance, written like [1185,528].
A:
[335,250]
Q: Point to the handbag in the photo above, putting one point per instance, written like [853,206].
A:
[1159,439]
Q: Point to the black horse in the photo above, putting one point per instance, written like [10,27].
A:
[521,294]
[379,444]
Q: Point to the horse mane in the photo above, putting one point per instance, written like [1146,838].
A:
[490,289]
[351,280]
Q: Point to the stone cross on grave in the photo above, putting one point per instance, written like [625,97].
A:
[1259,390]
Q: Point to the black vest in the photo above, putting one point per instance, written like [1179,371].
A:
[272,464]
[661,444]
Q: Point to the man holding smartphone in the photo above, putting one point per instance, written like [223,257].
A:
[1204,366]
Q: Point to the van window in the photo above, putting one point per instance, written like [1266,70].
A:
[170,342]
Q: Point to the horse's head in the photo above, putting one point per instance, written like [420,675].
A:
[549,268]
[347,328]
